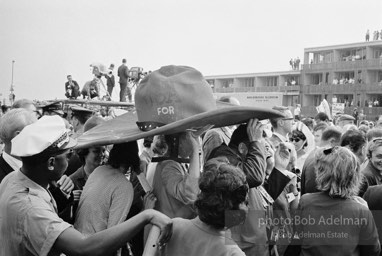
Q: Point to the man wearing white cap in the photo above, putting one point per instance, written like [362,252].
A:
[29,224]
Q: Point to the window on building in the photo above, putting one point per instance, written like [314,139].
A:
[271,81]
[249,82]
[345,98]
[316,79]
[317,100]
[345,77]
[227,83]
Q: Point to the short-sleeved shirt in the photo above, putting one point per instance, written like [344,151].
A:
[29,224]
[105,201]
[194,237]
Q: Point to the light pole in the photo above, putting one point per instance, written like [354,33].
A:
[11,94]
[13,63]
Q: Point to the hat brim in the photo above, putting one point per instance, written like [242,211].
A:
[124,128]
[58,111]
[69,145]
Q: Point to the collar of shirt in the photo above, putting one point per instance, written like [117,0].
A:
[203,226]
[281,137]
[35,189]
[12,161]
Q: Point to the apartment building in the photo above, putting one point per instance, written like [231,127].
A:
[348,73]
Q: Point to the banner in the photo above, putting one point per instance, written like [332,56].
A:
[338,108]
[324,107]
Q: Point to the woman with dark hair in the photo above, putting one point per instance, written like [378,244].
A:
[303,140]
[90,158]
[336,220]
[221,204]
[108,194]
[356,142]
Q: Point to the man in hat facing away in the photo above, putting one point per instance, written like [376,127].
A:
[78,119]
[52,108]
[123,73]
[29,224]
[110,80]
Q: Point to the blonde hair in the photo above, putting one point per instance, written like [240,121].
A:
[338,172]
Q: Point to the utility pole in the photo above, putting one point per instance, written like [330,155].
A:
[11,94]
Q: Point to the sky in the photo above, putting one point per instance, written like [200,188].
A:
[49,39]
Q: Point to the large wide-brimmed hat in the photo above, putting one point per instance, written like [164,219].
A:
[171,100]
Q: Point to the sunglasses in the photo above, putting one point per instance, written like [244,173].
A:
[294,139]
[330,150]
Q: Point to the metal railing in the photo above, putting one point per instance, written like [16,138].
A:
[371,113]
[342,88]
[258,89]
[338,65]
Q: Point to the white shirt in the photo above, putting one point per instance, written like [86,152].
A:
[12,161]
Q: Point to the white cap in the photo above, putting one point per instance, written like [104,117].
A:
[48,131]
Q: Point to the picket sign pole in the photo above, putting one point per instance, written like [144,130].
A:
[151,247]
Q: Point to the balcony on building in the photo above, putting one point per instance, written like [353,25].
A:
[343,57]
[287,82]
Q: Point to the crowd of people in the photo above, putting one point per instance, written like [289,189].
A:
[96,89]
[286,185]
[295,63]
[376,35]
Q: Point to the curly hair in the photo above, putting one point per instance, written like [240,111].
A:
[223,188]
[338,172]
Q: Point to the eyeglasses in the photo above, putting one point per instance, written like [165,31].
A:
[288,118]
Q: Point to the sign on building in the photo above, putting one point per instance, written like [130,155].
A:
[338,108]
[256,99]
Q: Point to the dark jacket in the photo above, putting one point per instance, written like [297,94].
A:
[74,87]
[5,168]
[79,178]
[110,81]
[123,73]
[253,166]
[371,177]
[308,175]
